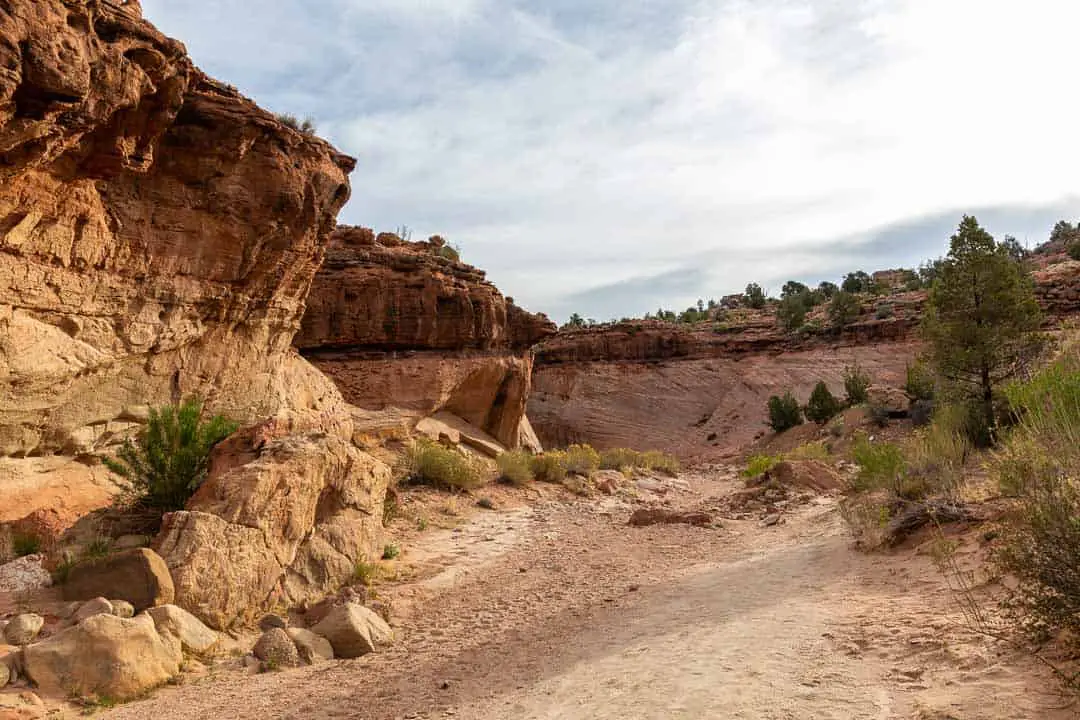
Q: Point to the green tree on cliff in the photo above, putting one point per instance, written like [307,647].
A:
[981,319]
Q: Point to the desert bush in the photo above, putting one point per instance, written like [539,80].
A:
[450,252]
[921,412]
[881,466]
[660,462]
[391,551]
[837,428]
[883,311]
[426,462]
[919,382]
[581,459]
[784,412]
[844,309]
[758,465]
[823,405]
[791,311]
[1074,251]
[515,467]
[169,459]
[549,467]
[856,383]
[364,573]
[810,451]
[306,126]
[619,459]
[937,453]
[754,296]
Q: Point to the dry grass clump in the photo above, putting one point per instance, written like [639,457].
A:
[581,459]
[426,462]
[549,467]
[515,467]
[627,459]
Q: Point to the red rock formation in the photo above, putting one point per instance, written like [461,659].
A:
[701,391]
[158,236]
[398,324]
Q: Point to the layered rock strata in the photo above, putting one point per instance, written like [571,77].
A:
[407,325]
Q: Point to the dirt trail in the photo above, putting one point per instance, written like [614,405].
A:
[577,616]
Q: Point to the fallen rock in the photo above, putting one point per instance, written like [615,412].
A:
[609,481]
[103,655]
[312,648]
[892,400]
[90,608]
[663,516]
[122,608]
[25,574]
[810,474]
[176,622]
[353,630]
[276,649]
[23,629]
[138,576]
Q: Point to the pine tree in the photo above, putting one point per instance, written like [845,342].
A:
[981,318]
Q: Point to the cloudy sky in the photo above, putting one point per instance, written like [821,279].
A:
[609,156]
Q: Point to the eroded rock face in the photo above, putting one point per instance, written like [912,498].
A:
[397,324]
[158,231]
[279,519]
[158,237]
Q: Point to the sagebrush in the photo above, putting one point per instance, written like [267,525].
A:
[426,462]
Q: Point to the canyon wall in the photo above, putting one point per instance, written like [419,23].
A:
[406,330]
[158,237]
[701,391]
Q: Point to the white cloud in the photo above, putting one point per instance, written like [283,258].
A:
[575,144]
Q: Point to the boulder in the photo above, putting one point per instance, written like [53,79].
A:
[353,630]
[809,474]
[105,656]
[175,622]
[90,608]
[276,649]
[892,400]
[138,576]
[312,648]
[23,629]
[11,662]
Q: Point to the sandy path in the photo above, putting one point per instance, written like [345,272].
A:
[582,617]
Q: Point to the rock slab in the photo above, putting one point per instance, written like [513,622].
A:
[353,630]
[138,576]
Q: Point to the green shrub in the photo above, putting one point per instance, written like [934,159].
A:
[881,465]
[391,551]
[844,309]
[24,544]
[883,311]
[581,459]
[364,573]
[661,462]
[429,463]
[549,467]
[823,405]
[937,453]
[920,382]
[1074,251]
[169,459]
[810,451]
[515,467]
[791,312]
[758,465]
[99,547]
[784,412]
[856,383]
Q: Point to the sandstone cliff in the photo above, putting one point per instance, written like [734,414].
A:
[158,236]
[701,391]
[399,325]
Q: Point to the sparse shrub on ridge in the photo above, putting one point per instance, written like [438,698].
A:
[426,462]
[306,126]
[919,383]
[856,383]
[883,311]
[1074,251]
[844,309]
[170,457]
[823,405]
[784,412]
[515,467]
